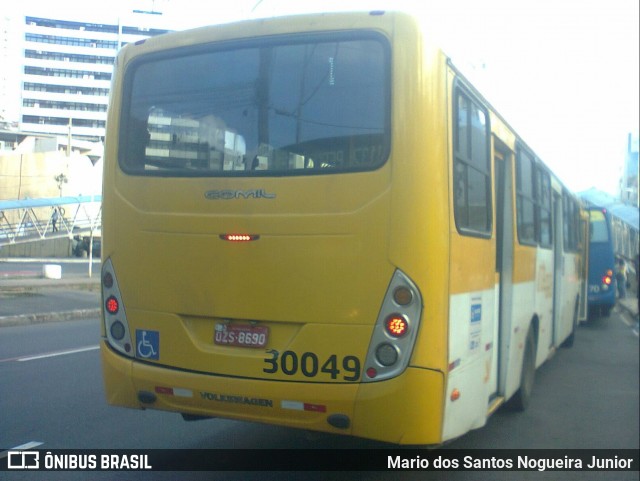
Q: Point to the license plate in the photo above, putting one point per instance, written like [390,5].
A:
[240,335]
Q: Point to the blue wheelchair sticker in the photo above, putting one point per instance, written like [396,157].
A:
[147,344]
[476,312]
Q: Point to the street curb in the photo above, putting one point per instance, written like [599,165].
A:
[34,286]
[42,318]
[48,260]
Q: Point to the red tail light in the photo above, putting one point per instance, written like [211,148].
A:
[395,330]
[112,305]
[116,326]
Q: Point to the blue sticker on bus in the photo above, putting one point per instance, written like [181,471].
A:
[475,326]
[476,312]
[147,344]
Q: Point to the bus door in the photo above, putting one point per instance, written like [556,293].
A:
[584,251]
[558,266]
[504,259]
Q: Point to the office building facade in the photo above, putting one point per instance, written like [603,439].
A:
[66,71]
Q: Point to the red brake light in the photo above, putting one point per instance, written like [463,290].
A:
[112,305]
[239,237]
[396,325]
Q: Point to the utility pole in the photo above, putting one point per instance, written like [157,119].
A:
[69,139]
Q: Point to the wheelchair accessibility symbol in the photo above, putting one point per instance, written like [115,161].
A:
[147,344]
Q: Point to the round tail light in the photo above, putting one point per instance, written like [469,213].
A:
[386,354]
[112,305]
[396,325]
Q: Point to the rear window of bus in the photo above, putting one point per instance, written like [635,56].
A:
[599,231]
[294,105]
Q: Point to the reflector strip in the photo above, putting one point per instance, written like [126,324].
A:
[182,392]
[319,408]
[174,391]
[454,364]
[300,406]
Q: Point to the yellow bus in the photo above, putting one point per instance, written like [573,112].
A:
[317,222]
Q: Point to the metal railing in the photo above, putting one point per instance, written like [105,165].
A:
[31,220]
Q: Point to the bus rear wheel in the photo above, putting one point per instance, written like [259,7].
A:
[521,399]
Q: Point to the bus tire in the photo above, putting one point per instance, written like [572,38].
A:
[521,399]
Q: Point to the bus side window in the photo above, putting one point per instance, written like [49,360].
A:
[471,171]
[525,202]
[543,206]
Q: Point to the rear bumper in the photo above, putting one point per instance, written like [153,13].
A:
[607,299]
[404,410]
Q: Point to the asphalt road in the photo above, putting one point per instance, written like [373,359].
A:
[47,300]
[25,296]
[51,393]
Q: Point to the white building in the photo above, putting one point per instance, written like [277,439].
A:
[64,65]
[9,73]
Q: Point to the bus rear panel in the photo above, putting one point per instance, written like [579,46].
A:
[602,287]
[249,247]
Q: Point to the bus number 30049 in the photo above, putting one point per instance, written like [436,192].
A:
[290,363]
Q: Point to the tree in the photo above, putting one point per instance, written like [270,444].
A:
[61,179]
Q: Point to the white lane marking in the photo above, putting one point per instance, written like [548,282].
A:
[58,353]
[22,447]
[628,321]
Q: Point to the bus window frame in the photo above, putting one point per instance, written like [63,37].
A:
[128,76]
[571,222]
[521,195]
[542,175]
[460,88]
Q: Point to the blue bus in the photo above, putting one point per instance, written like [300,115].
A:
[602,280]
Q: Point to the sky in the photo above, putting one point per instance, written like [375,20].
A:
[563,73]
